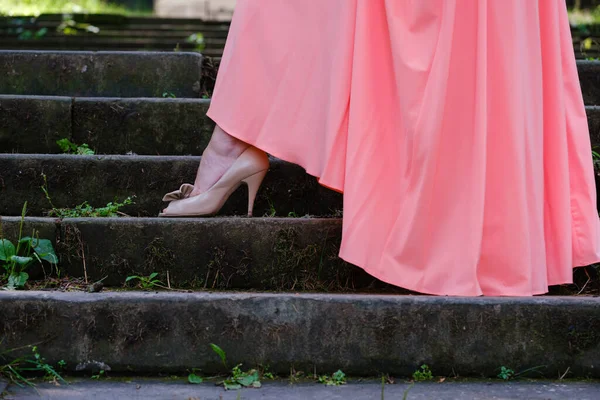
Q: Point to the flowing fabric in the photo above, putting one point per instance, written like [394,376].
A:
[455,129]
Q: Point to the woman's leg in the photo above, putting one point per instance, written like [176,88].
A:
[222,150]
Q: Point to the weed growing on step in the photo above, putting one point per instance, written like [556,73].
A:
[28,34]
[194,378]
[238,378]
[15,259]
[596,159]
[422,374]
[99,375]
[16,370]
[70,27]
[85,210]
[69,147]
[272,211]
[336,379]
[197,39]
[146,282]
[169,95]
[506,373]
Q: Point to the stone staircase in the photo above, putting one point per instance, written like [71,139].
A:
[269,290]
[114,32]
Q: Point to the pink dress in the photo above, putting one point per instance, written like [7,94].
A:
[455,129]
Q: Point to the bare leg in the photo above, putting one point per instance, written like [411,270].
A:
[222,150]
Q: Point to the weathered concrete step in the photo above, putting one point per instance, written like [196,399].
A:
[122,33]
[364,335]
[153,389]
[155,126]
[114,19]
[65,44]
[100,179]
[273,254]
[108,41]
[108,74]
[33,124]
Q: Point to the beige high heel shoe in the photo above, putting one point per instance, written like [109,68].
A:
[249,168]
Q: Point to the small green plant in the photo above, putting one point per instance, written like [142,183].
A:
[194,378]
[69,147]
[169,95]
[596,159]
[220,352]
[99,375]
[16,370]
[272,211]
[336,379]
[146,282]
[422,374]
[238,378]
[28,34]
[266,374]
[15,259]
[197,39]
[85,210]
[506,373]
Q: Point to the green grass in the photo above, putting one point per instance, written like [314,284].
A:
[37,7]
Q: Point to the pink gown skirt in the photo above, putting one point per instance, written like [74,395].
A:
[455,129]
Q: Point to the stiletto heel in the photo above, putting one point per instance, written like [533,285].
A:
[249,168]
[253,182]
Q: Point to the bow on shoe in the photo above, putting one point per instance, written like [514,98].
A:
[183,193]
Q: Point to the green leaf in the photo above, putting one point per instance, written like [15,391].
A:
[43,248]
[152,276]
[7,249]
[229,385]
[131,277]
[195,379]
[18,280]
[248,379]
[21,260]
[219,352]
[256,384]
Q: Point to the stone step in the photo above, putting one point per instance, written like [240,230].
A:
[108,74]
[33,124]
[103,41]
[111,19]
[127,387]
[100,179]
[121,33]
[272,254]
[117,45]
[364,335]
[152,126]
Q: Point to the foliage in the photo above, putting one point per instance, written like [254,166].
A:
[69,147]
[238,378]
[146,282]
[85,210]
[198,40]
[169,95]
[16,369]
[506,373]
[15,259]
[336,379]
[37,7]
[194,378]
[422,374]
[71,27]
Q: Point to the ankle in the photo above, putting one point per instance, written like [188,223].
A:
[224,145]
